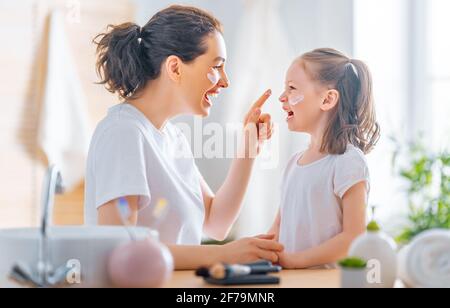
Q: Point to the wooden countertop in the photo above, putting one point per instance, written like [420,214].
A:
[289,279]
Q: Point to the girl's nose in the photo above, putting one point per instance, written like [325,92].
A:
[283,98]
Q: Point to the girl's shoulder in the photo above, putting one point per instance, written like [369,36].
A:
[352,154]
[353,162]
[349,169]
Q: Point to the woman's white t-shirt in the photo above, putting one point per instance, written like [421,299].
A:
[128,156]
[311,198]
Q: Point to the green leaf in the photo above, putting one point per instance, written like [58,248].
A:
[353,262]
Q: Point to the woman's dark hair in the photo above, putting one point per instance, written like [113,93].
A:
[353,120]
[129,56]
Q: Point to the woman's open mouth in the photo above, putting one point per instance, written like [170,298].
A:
[209,96]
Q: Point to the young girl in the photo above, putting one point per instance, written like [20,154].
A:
[325,188]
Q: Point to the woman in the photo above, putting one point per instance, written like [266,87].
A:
[171,66]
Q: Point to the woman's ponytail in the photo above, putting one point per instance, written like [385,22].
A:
[121,63]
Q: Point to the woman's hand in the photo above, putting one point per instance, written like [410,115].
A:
[258,127]
[246,250]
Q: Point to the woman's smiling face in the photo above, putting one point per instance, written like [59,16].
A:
[203,78]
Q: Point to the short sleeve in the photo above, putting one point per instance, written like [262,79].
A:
[120,166]
[351,169]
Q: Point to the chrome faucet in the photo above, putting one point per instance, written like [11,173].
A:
[43,275]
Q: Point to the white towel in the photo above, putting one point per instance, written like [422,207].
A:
[64,125]
[425,262]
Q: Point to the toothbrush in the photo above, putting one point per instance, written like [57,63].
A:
[124,211]
[159,212]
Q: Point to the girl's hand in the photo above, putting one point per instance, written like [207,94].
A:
[292,260]
[252,249]
[285,260]
[258,127]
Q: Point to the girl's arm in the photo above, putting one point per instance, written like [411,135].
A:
[223,208]
[354,209]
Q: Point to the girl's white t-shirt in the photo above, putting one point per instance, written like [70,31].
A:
[128,156]
[311,198]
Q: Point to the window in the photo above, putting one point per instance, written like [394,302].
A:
[406,44]
[438,34]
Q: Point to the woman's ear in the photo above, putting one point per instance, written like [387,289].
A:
[173,68]
[330,101]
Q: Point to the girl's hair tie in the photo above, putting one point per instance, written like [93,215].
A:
[350,63]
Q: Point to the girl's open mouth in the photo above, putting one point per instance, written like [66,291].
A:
[290,115]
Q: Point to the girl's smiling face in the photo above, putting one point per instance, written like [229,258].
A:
[302,99]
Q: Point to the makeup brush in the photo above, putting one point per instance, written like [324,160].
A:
[223,271]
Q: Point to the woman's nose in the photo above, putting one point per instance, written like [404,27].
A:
[224,82]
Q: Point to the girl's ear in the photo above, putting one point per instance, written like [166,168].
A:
[173,68]
[330,101]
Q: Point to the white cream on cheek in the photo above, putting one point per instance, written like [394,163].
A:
[294,100]
[213,77]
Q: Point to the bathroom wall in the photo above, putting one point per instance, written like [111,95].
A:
[23,26]
[310,24]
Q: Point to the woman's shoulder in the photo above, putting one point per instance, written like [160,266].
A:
[114,129]
[118,127]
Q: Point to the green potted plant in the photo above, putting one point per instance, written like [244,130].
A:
[427,178]
[353,272]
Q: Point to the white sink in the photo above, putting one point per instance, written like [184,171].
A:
[90,246]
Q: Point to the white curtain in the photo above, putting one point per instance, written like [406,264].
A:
[260,58]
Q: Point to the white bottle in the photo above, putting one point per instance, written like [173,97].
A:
[380,251]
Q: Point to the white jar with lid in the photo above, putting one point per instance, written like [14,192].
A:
[380,251]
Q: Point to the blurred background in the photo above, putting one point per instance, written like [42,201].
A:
[46,56]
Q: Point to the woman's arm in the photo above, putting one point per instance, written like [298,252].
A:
[192,257]
[223,208]
[241,251]
[109,215]
[354,208]
[275,229]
